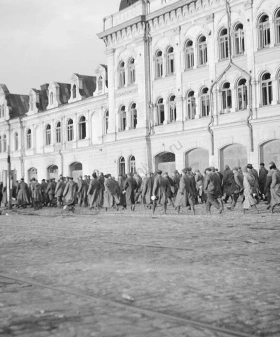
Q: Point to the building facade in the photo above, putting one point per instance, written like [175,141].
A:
[187,83]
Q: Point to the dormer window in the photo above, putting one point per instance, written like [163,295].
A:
[51,98]
[100,83]
[74,91]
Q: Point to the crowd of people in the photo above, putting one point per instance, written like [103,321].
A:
[185,189]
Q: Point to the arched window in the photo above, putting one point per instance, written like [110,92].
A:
[48,134]
[51,98]
[100,83]
[242,95]
[133,116]
[172,109]
[159,64]
[16,141]
[189,55]
[122,166]
[74,91]
[226,98]
[191,106]
[277,27]
[28,139]
[4,143]
[223,43]
[264,31]
[160,118]
[58,132]
[170,61]
[1,111]
[121,74]
[202,51]
[239,44]
[70,130]
[278,85]
[132,164]
[131,71]
[205,102]
[266,85]
[0,144]
[106,124]
[122,118]
[82,128]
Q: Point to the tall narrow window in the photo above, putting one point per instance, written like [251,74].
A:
[74,91]
[106,124]
[100,83]
[242,94]
[0,144]
[277,27]
[132,164]
[172,109]
[202,51]
[278,85]
[191,106]
[159,64]
[170,61]
[133,112]
[160,111]
[266,85]
[205,102]
[121,74]
[51,98]
[1,112]
[82,128]
[131,71]
[223,42]
[239,45]
[264,31]
[4,143]
[58,132]
[48,134]
[122,118]
[189,55]
[122,166]
[70,130]
[16,141]
[226,98]
[28,139]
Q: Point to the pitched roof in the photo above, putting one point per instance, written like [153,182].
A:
[18,105]
[89,85]
[126,3]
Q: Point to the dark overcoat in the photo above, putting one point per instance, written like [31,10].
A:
[147,190]
[23,197]
[160,189]
[227,181]
[69,192]
[275,188]
[186,192]
[93,192]
[130,186]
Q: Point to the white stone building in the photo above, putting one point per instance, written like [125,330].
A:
[183,86]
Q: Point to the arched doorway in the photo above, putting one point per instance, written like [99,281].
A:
[270,151]
[53,172]
[233,155]
[32,173]
[76,170]
[197,159]
[165,162]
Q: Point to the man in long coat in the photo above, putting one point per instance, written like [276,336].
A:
[82,191]
[51,192]
[130,187]
[147,190]
[254,173]
[36,191]
[236,187]
[275,186]
[59,189]
[212,189]
[160,189]
[262,179]
[186,192]
[69,194]
[227,181]
[23,196]
[93,192]
[101,180]
[109,191]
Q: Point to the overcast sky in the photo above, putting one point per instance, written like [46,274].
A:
[48,40]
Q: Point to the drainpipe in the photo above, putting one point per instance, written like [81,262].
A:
[61,161]
[249,77]
[8,182]
[21,146]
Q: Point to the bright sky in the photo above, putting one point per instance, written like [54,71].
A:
[48,40]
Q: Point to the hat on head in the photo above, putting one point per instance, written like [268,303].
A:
[176,171]
[184,170]
[272,165]
[261,164]
[80,176]
[106,176]
[250,166]
[235,169]
[159,172]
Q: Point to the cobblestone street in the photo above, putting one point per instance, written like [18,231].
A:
[127,274]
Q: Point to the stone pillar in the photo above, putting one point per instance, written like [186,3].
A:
[198,113]
[274,90]
[166,112]
[179,108]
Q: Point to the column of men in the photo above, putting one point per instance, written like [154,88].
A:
[179,190]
